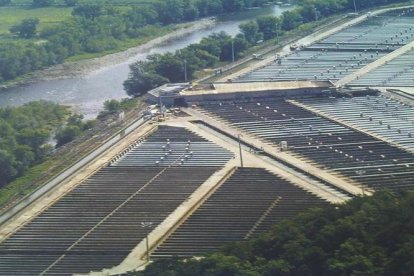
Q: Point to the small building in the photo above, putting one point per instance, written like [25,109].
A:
[167,94]
[182,94]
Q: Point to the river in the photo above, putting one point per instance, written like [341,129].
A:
[86,94]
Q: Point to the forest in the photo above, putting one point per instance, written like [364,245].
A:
[29,133]
[181,65]
[365,236]
[24,132]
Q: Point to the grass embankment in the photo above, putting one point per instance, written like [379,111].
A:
[23,185]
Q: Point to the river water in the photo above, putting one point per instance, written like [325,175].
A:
[86,94]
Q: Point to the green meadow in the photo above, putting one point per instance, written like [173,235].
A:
[48,16]
[21,9]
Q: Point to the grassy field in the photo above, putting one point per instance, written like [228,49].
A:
[112,2]
[21,9]
[48,16]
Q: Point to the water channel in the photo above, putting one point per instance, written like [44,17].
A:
[86,94]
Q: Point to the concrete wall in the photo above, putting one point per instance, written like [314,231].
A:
[260,94]
[197,98]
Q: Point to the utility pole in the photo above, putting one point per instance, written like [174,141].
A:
[360,173]
[185,70]
[277,33]
[240,150]
[160,103]
[147,224]
[147,243]
[232,50]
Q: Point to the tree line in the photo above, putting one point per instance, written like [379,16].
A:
[42,3]
[181,65]
[24,133]
[28,132]
[170,67]
[96,28]
[366,236]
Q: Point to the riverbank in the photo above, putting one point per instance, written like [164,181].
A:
[87,67]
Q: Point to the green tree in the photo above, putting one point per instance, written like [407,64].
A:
[67,134]
[24,158]
[291,19]
[276,267]
[7,167]
[211,45]
[42,3]
[139,17]
[232,5]
[169,66]
[170,11]
[75,120]
[139,81]
[207,8]
[190,11]
[403,258]
[88,11]
[6,131]
[71,3]
[309,13]
[5,2]
[26,29]
[205,59]
[250,30]
[352,258]
[269,26]
[24,135]
[33,137]
[112,106]
[240,45]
